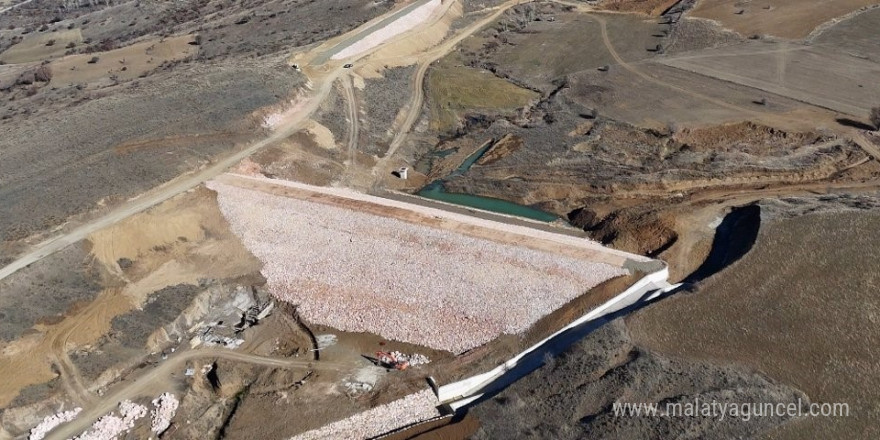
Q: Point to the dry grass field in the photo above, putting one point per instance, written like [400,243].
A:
[649,7]
[527,55]
[801,307]
[821,75]
[793,19]
[856,36]
[455,90]
[38,47]
[123,64]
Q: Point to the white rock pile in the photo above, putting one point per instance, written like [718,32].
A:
[433,287]
[112,426]
[164,408]
[379,420]
[51,422]
[414,360]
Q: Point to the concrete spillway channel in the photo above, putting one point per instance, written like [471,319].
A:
[456,396]
[466,392]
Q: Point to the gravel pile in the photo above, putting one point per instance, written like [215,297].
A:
[50,422]
[364,273]
[414,360]
[164,408]
[111,426]
[379,420]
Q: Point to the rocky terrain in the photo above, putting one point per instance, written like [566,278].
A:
[572,396]
[733,141]
[399,271]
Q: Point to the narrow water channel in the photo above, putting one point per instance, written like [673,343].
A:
[436,191]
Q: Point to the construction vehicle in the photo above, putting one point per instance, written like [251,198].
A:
[389,360]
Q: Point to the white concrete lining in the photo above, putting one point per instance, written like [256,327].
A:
[464,392]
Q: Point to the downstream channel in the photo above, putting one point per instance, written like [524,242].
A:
[734,238]
[437,191]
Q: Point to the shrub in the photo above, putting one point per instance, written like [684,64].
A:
[93,60]
[43,74]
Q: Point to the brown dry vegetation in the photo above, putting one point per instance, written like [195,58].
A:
[520,50]
[455,90]
[144,73]
[801,307]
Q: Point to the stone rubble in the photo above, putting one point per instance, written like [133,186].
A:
[111,426]
[51,422]
[379,420]
[433,287]
[164,408]
[414,360]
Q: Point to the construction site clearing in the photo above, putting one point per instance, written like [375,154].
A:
[361,303]
[452,283]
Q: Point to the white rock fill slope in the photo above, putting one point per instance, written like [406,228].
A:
[393,29]
[379,420]
[359,272]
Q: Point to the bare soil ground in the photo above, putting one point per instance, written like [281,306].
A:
[650,7]
[853,36]
[106,298]
[519,48]
[822,75]
[798,307]
[792,19]
[52,288]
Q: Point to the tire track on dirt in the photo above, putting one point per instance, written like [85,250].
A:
[353,130]
[620,61]
[157,381]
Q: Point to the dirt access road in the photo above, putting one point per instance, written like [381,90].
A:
[414,107]
[9,8]
[856,136]
[323,76]
[158,380]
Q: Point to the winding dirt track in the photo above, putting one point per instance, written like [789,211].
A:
[166,191]
[11,7]
[414,107]
[353,130]
[328,74]
[147,383]
[325,76]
